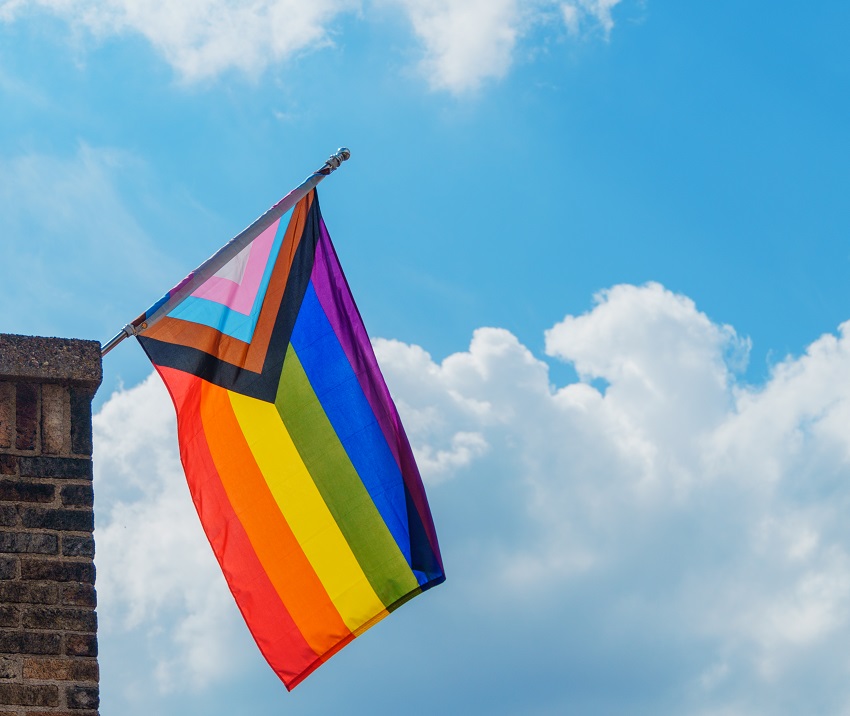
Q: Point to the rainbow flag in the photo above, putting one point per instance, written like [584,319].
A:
[296,459]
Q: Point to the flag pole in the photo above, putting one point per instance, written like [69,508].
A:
[227,252]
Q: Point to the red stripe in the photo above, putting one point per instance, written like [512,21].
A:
[271,625]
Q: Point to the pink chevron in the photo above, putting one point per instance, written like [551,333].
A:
[235,285]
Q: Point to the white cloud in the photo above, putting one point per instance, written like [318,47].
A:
[468,42]
[202,38]
[465,42]
[673,515]
[708,507]
[577,13]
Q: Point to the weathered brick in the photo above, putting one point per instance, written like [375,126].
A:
[73,468]
[58,619]
[8,567]
[63,520]
[26,491]
[8,515]
[81,644]
[82,697]
[29,542]
[28,593]
[78,495]
[81,428]
[27,695]
[79,595]
[10,667]
[56,571]
[7,415]
[26,415]
[8,464]
[50,669]
[10,616]
[55,419]
[24,642]
[77,546]
[47,669]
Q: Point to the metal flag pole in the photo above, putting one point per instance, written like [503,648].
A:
[226,252]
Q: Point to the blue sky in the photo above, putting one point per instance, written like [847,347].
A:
[601,247]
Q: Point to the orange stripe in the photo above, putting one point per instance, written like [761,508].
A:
[277,549]
[251,355]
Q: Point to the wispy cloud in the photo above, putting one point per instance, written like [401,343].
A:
[469,42]
[676,516]
[578,14]
[65,220]
[465,42]
[202,38]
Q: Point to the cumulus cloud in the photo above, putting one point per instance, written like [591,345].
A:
[656,514]
[465,42]
[681,498]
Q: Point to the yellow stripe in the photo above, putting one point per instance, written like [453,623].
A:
[305,511]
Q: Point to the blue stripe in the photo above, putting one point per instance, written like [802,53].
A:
[223,319]
[338,390]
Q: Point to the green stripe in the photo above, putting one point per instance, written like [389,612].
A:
[340,486]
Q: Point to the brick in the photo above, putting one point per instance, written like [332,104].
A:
[55,419]
[61,669]
[10,616]
[10,667]
[8,567]
[79,595]
[26,491]
[29,543]
[21,642]
[57,619]
[7,414]
[76,546]
[63,520]
[26,416]
[8,465]
[81,427]
[78,495]
[8,515]
[56,571]
[26,695]
[28,593]
[83,697]
[73,468]
[80,644]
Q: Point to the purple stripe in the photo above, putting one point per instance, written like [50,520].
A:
[335,296]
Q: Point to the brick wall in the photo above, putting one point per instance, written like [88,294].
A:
[48,625]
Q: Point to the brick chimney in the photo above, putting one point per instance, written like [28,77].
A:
[48,625]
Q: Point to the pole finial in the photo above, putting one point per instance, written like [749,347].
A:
[334,160]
